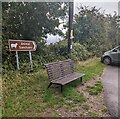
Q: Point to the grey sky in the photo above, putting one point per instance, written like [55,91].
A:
[109,7]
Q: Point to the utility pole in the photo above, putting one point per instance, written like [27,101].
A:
[118,22]
[70,29]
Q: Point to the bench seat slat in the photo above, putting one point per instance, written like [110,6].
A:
[68,78]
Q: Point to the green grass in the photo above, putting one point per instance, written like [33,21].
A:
[91,69]
[26,94]
[85,106]
[74,109]
[104,110]
[96,89]
[55,114]
[92,114]
[71,94]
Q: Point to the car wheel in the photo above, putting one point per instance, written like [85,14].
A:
[107,60]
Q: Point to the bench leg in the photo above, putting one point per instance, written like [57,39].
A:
[81,79]
[49,84]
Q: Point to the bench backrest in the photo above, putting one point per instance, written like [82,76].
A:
[59,69]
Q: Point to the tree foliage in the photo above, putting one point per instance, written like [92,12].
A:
[32,20]
[95,30]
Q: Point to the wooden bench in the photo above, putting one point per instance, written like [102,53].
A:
[62,72]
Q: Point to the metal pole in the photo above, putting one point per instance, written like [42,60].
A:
[17,60]
[31,64]
[70,26]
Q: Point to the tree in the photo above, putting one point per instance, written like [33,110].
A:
[88,24]
[112,31]
[95,30]
[32,20]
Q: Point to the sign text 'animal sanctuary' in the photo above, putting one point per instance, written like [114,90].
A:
[21,45]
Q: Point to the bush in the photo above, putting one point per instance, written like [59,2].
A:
[79,52]
[43,55]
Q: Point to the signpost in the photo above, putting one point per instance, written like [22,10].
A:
[22,45]
[17,59]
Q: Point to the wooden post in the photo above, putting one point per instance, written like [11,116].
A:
[31,64]
[17,59]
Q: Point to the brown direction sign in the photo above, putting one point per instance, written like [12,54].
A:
[21,45]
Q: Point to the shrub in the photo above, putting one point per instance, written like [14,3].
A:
[79,52]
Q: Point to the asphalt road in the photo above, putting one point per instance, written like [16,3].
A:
[110,83]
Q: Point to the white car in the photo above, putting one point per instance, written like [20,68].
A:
[112,56]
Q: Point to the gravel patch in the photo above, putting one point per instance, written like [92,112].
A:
[93,107]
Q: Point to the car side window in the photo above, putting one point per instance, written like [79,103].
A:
[116,49]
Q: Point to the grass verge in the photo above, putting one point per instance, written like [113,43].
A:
[27,95]
[90,68]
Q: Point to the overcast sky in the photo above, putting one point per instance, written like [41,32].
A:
[109,7]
